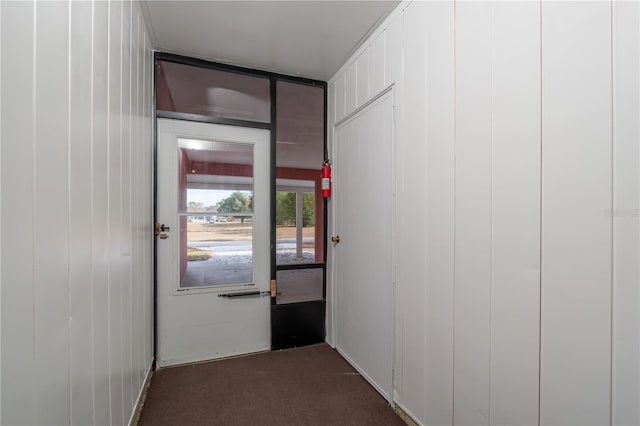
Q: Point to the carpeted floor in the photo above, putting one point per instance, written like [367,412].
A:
[312,385]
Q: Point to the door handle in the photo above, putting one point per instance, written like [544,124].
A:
[245,294]
[163,236]
[161,228]
[335,239]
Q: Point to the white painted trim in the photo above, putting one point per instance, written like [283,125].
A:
[364,106]
[0,211]
[366,376]
[402,411]
[142,395]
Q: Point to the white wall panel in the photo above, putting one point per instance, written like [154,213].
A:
[440,191]
[546,197]
[515,261]
[626,214]
[51,180]
[351,87]
[147,212]
[125,249]
[472,336]
[0,204]
[410,208]
[114,174]
[80,217]
[18,380]
[341,97]
[376,65]
[102,410]
[362,78]
[393,50]
[68,214]
[576,225]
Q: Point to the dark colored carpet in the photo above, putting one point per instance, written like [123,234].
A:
[312,385]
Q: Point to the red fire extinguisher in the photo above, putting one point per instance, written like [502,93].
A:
[326,179]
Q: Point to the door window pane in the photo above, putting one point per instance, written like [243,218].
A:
[214,93]
[299,157]
[216,213]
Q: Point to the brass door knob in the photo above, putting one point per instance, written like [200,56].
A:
[335,239]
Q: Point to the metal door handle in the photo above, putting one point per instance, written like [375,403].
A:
[335,239]
[245,294]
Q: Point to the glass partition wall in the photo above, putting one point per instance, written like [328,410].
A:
[216,185]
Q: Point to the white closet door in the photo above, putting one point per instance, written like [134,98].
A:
[363,262]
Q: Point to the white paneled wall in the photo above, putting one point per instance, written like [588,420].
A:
[576,225]
[626,227]
[517,293]
[76,163]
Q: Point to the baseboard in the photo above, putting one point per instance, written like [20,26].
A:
[135,415]
[372,382]
[405,415]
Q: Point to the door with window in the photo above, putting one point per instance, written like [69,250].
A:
[213,248]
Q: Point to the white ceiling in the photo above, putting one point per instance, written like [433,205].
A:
[304,38]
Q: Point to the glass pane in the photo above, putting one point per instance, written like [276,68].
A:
[299,157]
[203,91]
[299,285]
[295,244]
[216,213]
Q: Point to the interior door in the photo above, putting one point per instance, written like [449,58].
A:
[213,241]
[363,257]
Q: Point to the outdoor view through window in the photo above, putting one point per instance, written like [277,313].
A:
[216,213]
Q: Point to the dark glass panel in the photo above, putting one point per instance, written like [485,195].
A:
[214,93]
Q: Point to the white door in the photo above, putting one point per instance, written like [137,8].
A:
[363,257]
[213,250]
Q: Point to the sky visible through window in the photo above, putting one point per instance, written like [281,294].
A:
[207,197]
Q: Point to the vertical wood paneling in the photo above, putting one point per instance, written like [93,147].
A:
[114,174]
[351,87]
[141,260]
[440,191]
[576,223]
[0,208]
[80,214]
[376,65]
[362,78]
[136,282]
[18,376]
[515,262]
[67,217]
[341,97]
[100,266]
[393,51]
[411,204]
[542,208]
[473,181]
[147,210]
[626,214]
[51,227]
[125,250]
